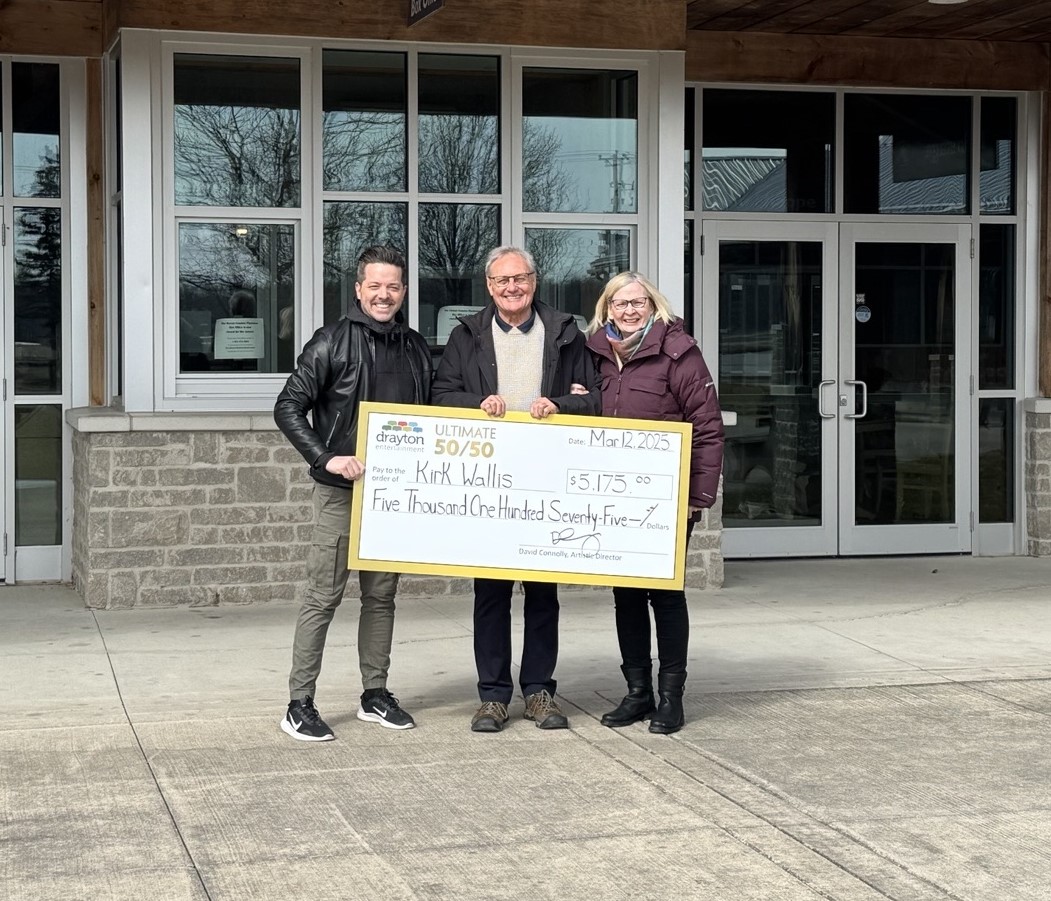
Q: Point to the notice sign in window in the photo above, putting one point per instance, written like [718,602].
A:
[574,499]
[238,339]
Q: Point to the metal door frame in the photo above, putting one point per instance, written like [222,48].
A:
[929,538]
[789,541]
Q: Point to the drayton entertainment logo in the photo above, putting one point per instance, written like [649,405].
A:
[401,433]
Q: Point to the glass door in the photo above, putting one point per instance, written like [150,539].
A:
[903,391]
[770,342]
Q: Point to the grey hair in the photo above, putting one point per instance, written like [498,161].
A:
[506,250]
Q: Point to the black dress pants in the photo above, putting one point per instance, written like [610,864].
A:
[492,638]
[672,619]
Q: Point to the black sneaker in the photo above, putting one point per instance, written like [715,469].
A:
[382,707]
[303,722]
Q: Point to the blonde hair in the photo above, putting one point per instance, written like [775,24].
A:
[661,308]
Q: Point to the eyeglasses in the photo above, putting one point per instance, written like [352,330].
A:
[636,303]
[522,280]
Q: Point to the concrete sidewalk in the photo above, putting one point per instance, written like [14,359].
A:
[865,729]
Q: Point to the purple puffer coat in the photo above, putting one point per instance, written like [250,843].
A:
[667,379]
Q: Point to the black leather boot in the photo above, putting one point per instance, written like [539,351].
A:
[669,716]
[638,703]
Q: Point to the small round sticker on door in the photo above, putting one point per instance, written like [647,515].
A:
[862,314]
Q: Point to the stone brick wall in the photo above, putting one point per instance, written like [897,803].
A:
[199,518]
[220,515]
[704,555]
[1038,477]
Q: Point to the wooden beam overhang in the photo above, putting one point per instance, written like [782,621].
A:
[753,57]
[613,24]
[51,28]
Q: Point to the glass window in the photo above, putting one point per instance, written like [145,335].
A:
[455,239]
[574,264]
[237,131]
[907,154]
[364,97]
[996,455]
[38,475]
[770,330]
[35,112]
[579,141]
[996,180]
[459,124]
[349,228]
[688,156]
[996,306]
[38,300]
[757,157]
[905,353]
[236,297]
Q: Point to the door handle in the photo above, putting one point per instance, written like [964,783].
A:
[821,399]
[864,399]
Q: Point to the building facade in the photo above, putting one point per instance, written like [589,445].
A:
[859,244]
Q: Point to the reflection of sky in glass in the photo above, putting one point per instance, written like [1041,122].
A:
[32,154]
[596,159]
[570,253]
[575,263]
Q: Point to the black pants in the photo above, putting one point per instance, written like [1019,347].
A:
[671,617]
[492,638]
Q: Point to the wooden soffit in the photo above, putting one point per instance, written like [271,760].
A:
[51,27]
[722,56]
[614,24]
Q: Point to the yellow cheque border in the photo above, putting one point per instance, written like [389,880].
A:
[682,429]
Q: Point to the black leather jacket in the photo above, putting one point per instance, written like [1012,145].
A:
[333,375]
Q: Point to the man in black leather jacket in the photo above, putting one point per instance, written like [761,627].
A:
[516,354]
[368,355]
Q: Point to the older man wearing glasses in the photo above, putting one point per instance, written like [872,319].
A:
[516,354]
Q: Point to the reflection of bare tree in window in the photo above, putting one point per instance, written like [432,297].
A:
[236,156]
[459,154]
[363,151]
[229,271]
[214,261]
[350,227]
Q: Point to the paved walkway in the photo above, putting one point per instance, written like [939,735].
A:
[857,730]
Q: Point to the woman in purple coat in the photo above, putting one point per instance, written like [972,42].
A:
[650,368]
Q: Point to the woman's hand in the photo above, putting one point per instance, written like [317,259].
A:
[578,389]
[542,408]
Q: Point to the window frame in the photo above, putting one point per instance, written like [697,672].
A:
[151,255]
[178,390]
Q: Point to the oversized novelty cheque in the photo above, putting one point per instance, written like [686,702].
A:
[575,499]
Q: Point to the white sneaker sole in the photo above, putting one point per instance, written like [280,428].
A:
[286,727]
[376,718]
